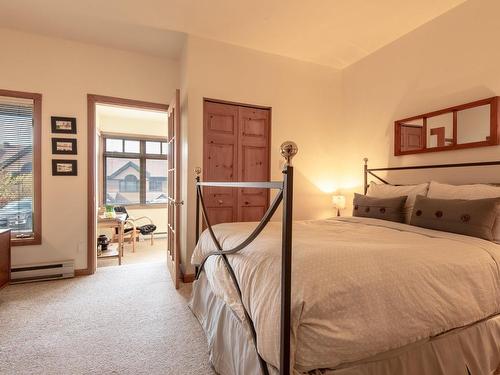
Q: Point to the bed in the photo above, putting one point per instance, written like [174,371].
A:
[367,296]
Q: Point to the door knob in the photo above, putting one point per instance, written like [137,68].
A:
[171,202]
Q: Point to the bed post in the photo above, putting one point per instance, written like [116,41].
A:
[288,151]
[197,171]
[366,175]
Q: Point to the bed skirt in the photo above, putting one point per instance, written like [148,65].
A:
[475,348]
[230,342]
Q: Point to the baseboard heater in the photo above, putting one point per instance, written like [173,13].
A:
[42,271]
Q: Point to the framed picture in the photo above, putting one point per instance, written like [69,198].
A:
[64,146]
[65,125]
[64,167]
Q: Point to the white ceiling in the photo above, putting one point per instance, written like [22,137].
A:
[336,33]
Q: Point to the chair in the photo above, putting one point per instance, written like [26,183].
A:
[133,229]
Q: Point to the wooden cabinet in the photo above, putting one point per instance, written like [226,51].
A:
[236,148]
[4,257]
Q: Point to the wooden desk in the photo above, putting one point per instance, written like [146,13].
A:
[115,222]
[4,257]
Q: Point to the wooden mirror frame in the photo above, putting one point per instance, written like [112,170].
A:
[493,140]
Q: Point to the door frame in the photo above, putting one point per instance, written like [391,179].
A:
[256,106]
[92,101]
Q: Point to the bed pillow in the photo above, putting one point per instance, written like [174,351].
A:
[392,191]
[476,191]
[391,209]
[474,217]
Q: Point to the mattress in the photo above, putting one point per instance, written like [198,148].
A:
[360,287]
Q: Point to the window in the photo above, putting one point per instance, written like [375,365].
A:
[135,171]
[20,208]
[153,148]
[156,180]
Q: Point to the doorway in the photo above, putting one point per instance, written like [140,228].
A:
[236,147]
[131,183]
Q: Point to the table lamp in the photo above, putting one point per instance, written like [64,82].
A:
[338,202]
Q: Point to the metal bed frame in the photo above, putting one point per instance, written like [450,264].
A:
[285,193]
[370,171]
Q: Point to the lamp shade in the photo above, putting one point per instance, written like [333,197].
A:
[338,202]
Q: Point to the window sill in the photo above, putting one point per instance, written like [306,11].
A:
[36,240]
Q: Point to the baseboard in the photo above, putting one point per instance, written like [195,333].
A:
[189,278]
[83,272]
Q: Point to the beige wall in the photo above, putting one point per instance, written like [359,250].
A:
[64,72]
[448,61]
[305,101]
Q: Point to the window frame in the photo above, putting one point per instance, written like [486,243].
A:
[36,235]
[141,155]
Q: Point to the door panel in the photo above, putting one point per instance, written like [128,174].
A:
[219,166]
[253,162]
[252,213]
[221,215]
[221,122]
[236,148]
[220,160]
[254,127]
[174,191]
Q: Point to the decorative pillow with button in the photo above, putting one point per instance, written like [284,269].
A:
[474,217]
[391,209]
[393,191]
[476,191]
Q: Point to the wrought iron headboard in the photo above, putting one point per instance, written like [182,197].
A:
[370,171]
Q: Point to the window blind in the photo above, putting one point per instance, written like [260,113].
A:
[16,165]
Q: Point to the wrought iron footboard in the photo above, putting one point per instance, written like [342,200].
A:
[285,195]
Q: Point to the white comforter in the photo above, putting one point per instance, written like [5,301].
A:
[359,286]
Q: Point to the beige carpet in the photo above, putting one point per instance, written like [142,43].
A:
[122,320]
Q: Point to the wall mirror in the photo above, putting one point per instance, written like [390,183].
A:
[464,126]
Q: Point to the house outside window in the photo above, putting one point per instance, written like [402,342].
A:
[156,184]
[130,184]
[20,174]
[135,171]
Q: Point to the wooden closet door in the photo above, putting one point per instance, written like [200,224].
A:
[253,161]
[220,160]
